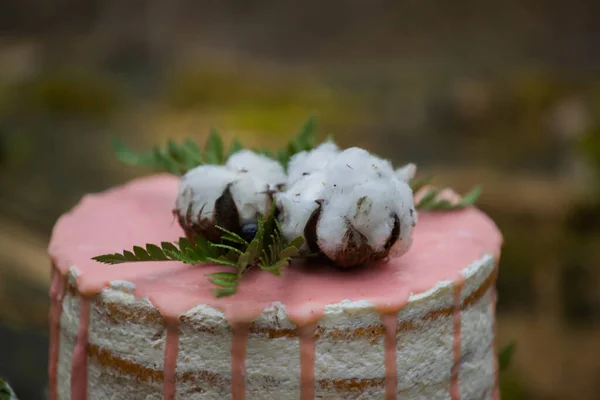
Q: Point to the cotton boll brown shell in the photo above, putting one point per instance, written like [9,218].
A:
[225,215]
[310,230]
[355,249]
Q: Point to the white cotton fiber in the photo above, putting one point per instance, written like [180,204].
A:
[298,203]
[407,172]
[307,162]
[355,166]
[203,185]
[259,166]
[364,191]
[200,187]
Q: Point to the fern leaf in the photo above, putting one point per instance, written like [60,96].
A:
[214,148]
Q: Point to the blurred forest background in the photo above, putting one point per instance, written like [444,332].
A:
[501,92]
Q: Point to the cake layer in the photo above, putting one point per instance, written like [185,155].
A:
[127,342]
[420,326]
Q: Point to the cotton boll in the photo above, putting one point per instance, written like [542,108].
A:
[366,210]
[407,172]
[259,166]
[307,162]
[355,166]
[297,204]
[366,221]
[211,195]
[200,188]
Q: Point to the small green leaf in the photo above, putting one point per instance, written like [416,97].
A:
[167,246]
[184,258]
[231,237]
[297,242]
[223,282]
[141,254]
[235,146]
[306,136]
[223,292]
[226,247]
[252,251]
[110,258]
[506,354]
[283,156]
[244,260]
[203,246]
[175,151]
[155,252]
[221,261]
[419,184]
[264,151]
[430,200]
[428,197]
[232,276]
[6,392]
[192,154]
[192,254]
[184,243]
[288,252]
[129,256]
[471,197]
[214,148]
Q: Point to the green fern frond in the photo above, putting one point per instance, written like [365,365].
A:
[178,158]
[431,202]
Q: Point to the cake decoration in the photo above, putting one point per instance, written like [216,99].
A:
[252,208]
[418,325]
[6,392]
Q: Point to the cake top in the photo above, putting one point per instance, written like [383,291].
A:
[349,208]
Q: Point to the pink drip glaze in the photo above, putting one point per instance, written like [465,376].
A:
[390,323]
[140,212]
[170,362]
[57,290]
[307,362]
[494,302]
[456,317]
[79,365]
[238,360]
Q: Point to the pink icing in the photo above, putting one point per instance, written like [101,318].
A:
[170,363]
[238,360]
[140,213]
[496,393]
[307,362]
[390,323]
[79,366]
[456,317]
[57,290]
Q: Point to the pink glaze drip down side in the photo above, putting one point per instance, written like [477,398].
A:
[238,360]
[57,291]
[494,302]
[390,323]
[170,361]
[456,316]
[307,362]
[140,213]
[79,364]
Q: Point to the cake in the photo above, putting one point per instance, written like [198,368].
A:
[416,326]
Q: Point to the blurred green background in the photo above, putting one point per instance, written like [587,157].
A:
[502,92]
